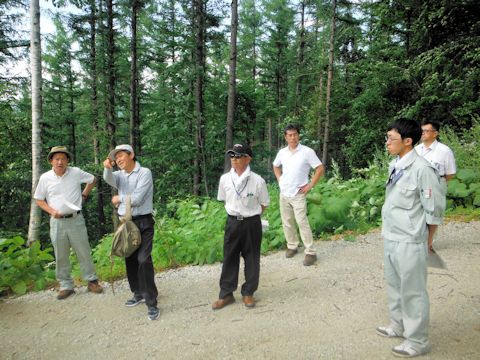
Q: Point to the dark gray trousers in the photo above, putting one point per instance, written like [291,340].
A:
[242,238]
[140,273]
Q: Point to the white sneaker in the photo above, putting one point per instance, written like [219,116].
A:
[406,350]
[387,331]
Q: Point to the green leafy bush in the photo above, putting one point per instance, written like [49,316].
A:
[21,268]
[190,233]
[464,189]
[336,205]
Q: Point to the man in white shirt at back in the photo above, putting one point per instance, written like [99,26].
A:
[292,167]
[440,156]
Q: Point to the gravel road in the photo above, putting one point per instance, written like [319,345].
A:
[326,311]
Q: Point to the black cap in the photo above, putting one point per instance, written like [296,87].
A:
[240,149]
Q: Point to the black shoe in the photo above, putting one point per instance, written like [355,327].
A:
[134,302]
[153,313]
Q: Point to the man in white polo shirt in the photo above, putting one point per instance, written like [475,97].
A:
[292,167]
[59,193]
[440,156]
[246,197]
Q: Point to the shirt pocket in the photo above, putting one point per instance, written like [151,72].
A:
[406,197]
[250,200]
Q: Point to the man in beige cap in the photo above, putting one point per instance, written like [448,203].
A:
[59,193]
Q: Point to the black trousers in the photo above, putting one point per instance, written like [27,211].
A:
[139,265]
[242,237]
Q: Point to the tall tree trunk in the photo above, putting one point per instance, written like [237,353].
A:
[134,104]
[269,145]
[94,114]
[199,21]
[71,109]
[320,101]
[300,58]
[232,81]
[36,70]
[111,125]
[329,84]
[172,19]
[254,57]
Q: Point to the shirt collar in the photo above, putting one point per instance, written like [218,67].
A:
[432,145]
[135,169]
[242,177]
[298,148]
[406,160]
[67,170]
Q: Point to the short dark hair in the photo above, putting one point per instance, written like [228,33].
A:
[407,129]
[435,124]
[291,127]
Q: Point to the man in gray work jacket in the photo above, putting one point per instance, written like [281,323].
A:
[414,199]
[136,181]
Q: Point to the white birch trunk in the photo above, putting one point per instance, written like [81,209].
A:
[36,70]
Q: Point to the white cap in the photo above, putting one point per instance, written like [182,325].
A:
[118,148]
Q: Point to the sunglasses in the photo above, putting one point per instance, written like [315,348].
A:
[237,156]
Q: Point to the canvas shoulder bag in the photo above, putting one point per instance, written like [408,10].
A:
[127,238]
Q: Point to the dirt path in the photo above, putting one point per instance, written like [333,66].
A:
[327,311]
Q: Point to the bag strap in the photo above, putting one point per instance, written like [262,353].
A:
[128,208]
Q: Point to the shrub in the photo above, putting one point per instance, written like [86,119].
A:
[21,268]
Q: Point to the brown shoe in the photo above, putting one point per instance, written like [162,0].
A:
[63,294]
[95,287]
[309,260]
[221,303]
[249,301]
[290,253]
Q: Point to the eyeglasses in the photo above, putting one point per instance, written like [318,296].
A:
[237,156]
[389,139]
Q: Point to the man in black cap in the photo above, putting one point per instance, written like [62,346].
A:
[246,197]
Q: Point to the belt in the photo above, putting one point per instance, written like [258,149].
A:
[138,217]
[241,217]
[69,215]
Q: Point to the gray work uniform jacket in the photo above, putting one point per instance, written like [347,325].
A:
[414,198]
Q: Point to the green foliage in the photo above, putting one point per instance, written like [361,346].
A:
[23,269]
[108,269]
[192,233]
[336,205]
[464,189]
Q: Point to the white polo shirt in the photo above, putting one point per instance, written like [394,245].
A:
[63,193]
[440,156]
[296,166]
[243,195]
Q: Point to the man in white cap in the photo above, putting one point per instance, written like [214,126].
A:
[135,181]
[59,193]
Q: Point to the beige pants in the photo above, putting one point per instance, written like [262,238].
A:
[66,234]
[294,209]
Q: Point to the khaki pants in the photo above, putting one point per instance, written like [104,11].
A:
[294,209]
[66,234]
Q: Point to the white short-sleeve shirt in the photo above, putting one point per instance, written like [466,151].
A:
[296,166]
[63,193]
[440,156]
[243,195]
